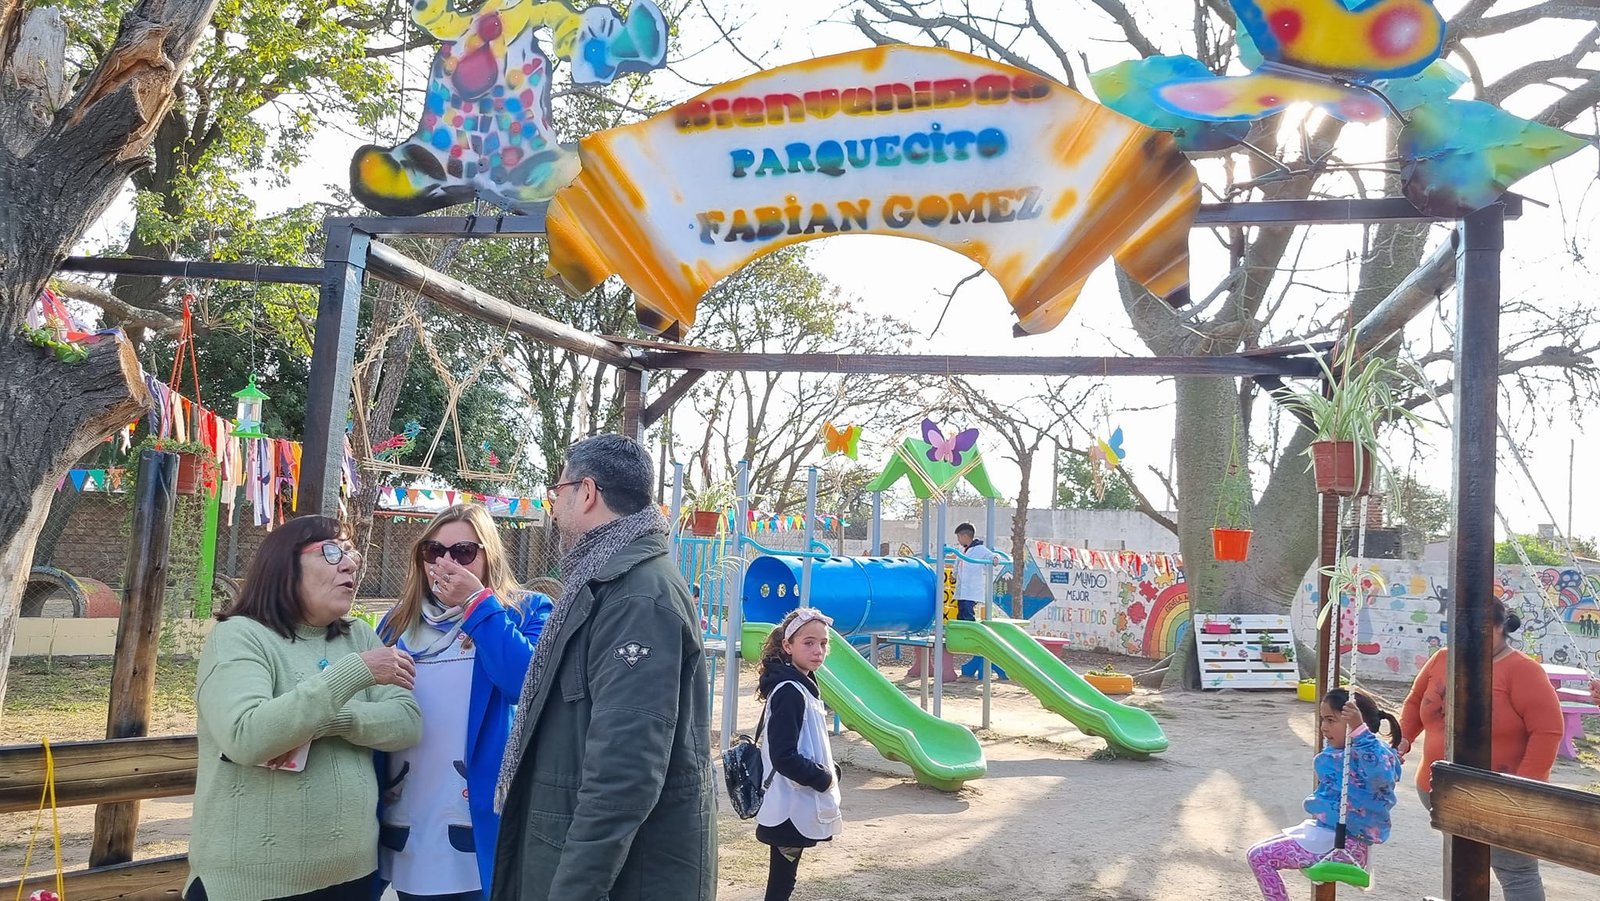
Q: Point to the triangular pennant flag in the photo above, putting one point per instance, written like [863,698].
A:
[450,497]
[78,476]
[99,477]
[515,502]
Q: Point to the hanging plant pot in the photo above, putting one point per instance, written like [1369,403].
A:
[1334,465]
[1215,628]
[1274,657]
[1231,544]
[1110,683]
[189,472]
[704,523]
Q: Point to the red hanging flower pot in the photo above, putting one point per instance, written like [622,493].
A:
[1335,466]
[704,523]
[1231,544]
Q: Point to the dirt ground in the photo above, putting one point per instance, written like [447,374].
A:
[1055,818]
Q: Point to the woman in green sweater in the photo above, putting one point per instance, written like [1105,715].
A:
[292,699]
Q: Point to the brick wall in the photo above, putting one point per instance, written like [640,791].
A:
[88,537]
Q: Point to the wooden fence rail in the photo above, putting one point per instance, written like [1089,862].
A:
[98,772]
[1561,825]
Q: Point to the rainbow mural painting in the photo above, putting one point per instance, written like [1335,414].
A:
[1119,601]
[1169,621]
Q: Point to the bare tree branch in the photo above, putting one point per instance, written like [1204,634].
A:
[1130,27]
[1475,26]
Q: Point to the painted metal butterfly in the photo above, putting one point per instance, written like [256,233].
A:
[1112,449]
[1327,52]
[841,441]
[947,450]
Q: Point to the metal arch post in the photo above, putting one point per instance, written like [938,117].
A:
[875,539]
[1477,359]
[810,532]
[733,613]
[676,525]
[936,654]
[988,604]
[333,358]
[927,543]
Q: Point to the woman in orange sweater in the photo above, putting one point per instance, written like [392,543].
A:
[1527,732]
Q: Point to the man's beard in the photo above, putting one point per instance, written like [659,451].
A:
[565,536]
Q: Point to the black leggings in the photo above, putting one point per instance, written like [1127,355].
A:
[781,873]
[354,890]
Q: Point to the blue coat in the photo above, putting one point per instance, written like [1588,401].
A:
[503,648]
[1374,770]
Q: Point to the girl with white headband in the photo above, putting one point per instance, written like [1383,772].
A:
[801,806]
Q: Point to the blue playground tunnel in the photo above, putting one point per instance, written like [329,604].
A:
[862,594]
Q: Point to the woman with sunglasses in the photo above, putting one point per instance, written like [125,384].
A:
[292,697]
[471,629]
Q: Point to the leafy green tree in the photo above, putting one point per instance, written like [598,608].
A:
[1075,486]
[268,77]
[1540,552]
[1421,511]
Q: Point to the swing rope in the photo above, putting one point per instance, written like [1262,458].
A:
[1522,554]
[46,797]
[1339,865]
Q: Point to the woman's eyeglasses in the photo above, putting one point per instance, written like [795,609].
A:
[334,553]
[463,552]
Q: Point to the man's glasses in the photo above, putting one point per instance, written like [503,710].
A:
[555,489]
[334,553]
[463,552]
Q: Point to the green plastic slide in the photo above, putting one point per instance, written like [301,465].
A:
[943,755]
[1129,730]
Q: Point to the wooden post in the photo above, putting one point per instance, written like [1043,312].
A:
[1477,359]
[133,671]
[633,404]
[333,358]
[1327,638]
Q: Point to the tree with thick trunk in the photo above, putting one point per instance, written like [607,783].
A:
[1240,313]
[65,152]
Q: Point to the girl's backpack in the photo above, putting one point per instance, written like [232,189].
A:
[742,769]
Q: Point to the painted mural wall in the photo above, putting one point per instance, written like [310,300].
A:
[1126,602]
[1404,621]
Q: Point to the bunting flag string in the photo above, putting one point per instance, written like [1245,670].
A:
[761,523]
[1129,563]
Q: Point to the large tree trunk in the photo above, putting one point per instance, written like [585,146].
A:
[61,165]
[55,413]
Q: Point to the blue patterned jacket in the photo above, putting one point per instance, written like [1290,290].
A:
[1374,770]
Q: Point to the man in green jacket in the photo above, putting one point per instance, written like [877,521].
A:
[605,792]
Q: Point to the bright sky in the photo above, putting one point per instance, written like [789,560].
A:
[1549,257]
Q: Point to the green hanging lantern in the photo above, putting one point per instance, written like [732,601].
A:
[247,420]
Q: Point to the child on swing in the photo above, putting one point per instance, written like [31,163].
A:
[801,805]
[1350,724]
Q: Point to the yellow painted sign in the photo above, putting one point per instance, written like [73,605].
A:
[1021,174]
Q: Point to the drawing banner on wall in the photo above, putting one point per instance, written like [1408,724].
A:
[1120,601]
[1023,175]
[1395,631]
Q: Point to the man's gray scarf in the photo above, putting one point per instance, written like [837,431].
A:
[579,566]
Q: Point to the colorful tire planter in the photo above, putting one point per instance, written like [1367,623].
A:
[1110,683]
